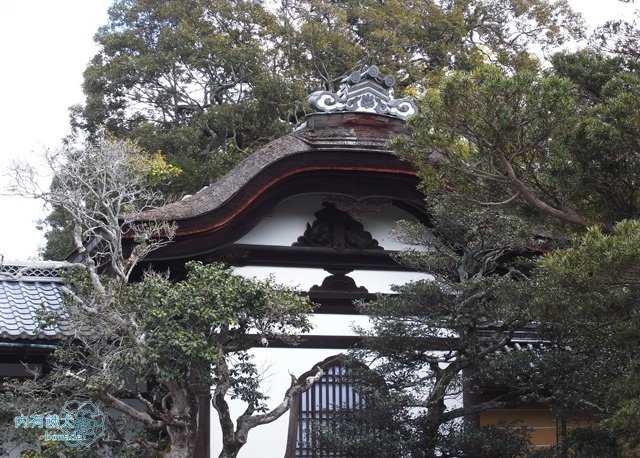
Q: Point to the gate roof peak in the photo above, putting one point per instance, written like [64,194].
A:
[364,91]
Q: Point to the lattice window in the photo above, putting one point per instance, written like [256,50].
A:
[317,406]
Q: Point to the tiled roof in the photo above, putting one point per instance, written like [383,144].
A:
[352,132]
[26,290]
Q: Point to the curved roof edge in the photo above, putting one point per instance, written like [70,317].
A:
[347,133]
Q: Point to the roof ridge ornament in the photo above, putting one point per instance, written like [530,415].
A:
[365,91]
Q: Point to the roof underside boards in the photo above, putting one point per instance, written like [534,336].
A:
[23,300]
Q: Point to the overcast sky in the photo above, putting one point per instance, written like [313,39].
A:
[44,48]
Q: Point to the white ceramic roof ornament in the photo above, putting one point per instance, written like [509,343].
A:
[364,91]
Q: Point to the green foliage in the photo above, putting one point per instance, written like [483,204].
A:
[589,292]
[594,283]
[380,429]
[563,144]
[196,326]
[59,238]
[491,135]
[551,148]
[166,344]
[603,142]
[333,38]
[199,322]
[500,440]
[383,433]
[598,259]
[593,443]
[188,79]
[425,340]
[469,242]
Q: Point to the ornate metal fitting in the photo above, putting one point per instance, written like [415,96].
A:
[365,91]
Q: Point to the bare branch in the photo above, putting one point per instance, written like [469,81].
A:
[142,417]
[246,423]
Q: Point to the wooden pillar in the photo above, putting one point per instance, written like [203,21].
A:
[203,441]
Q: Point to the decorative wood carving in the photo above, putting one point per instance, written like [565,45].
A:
[336,229]
[365,91]
[359,209]
[339,283]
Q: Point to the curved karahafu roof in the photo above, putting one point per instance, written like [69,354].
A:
[340,150]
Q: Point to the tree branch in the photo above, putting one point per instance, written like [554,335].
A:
[123,407]
[565,215]
[246,423]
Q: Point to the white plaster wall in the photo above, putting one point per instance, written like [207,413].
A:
[289,221]
[270,441]
[382,224]
[286,223]
[326,324]
[376,281]
[282,228]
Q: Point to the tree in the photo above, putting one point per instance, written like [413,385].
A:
[206,83]
[435,338]
[197,336]
[165,345]
[560,148]
[334,37]
[589,294]
[192,79]
[562,145]
[617,37]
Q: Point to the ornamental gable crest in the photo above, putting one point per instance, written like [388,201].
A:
[336,229]
[364,91]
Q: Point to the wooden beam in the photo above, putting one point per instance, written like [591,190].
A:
[347,342]
[241,254]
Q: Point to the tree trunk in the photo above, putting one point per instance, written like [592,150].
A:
[564,452]
[228,454]
[183,429]
[178,452]
[230,450]
[430,441]
[182,444]
[431,426]
[202,445]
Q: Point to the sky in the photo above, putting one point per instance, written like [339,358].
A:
[45,46]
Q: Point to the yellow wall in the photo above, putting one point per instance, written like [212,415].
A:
[544,426]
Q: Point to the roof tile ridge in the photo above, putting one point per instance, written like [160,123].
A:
[33,270]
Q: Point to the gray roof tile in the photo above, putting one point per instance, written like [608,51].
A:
[23,297]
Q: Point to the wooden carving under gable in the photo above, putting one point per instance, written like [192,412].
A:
[336,229]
